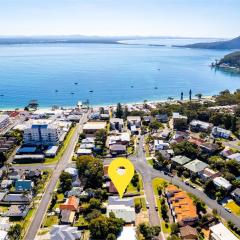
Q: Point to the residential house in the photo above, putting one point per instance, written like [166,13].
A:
[115,200]
[236,195]
[134,121]
[122,138]
[220,232]
[128,233]
[235,156]
[188,233]
[163,118]
[116,124]
[147,120]
[67,216]
[179,137]
[75,191]
[23,185]
[196,166]
[17,211]
[180,122]
[91,128]
[51,151]
[6,183]
[104,116]
[199,126]
[121,211]
[218,132]
[63,232]
[209,148]
[84,152]
[70,204]
[16,199]
[118,149]
[165,134]
[160,145]
[209,174]
[197,141]
[182,207]
[221,182]
[180,160]
[227,151]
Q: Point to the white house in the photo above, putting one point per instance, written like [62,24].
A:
[160,145]
[116,124]
[63,232]
[222,182]
[128,233]
[121,211]
[134,121]
[221,133]
[235,156]
[196,125]
[220,232]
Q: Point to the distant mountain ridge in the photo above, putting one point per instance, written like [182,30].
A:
[228,44]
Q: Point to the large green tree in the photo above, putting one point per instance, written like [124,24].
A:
[91,170]
[101,227]
[15,232]
[65,181]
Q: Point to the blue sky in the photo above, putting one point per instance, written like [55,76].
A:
[192,18]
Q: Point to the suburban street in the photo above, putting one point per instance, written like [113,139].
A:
[62,164]
[147,172]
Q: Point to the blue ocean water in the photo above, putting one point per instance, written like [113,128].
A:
[114,72]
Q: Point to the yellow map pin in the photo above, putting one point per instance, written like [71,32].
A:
[121,172]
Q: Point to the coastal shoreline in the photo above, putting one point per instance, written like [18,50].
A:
[129,104]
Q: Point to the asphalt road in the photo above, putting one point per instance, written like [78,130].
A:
[62,164]
[149,173]
[143,168]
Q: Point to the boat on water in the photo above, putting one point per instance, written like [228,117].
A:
[156,88]
[72,93]
[1,95]
[91,91]
[56,90]
[76,83]
[132,86]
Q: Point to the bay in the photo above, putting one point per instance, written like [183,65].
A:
[62,74]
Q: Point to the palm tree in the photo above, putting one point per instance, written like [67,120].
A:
[181,96]
[199,96]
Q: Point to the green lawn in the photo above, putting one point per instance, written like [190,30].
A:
[147,153]
[156,182]
[160,182]
[63,148]
[60,200]
[3,209]
[234,207]
[150,162]
[132,189]
[141,201]
[50,220]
